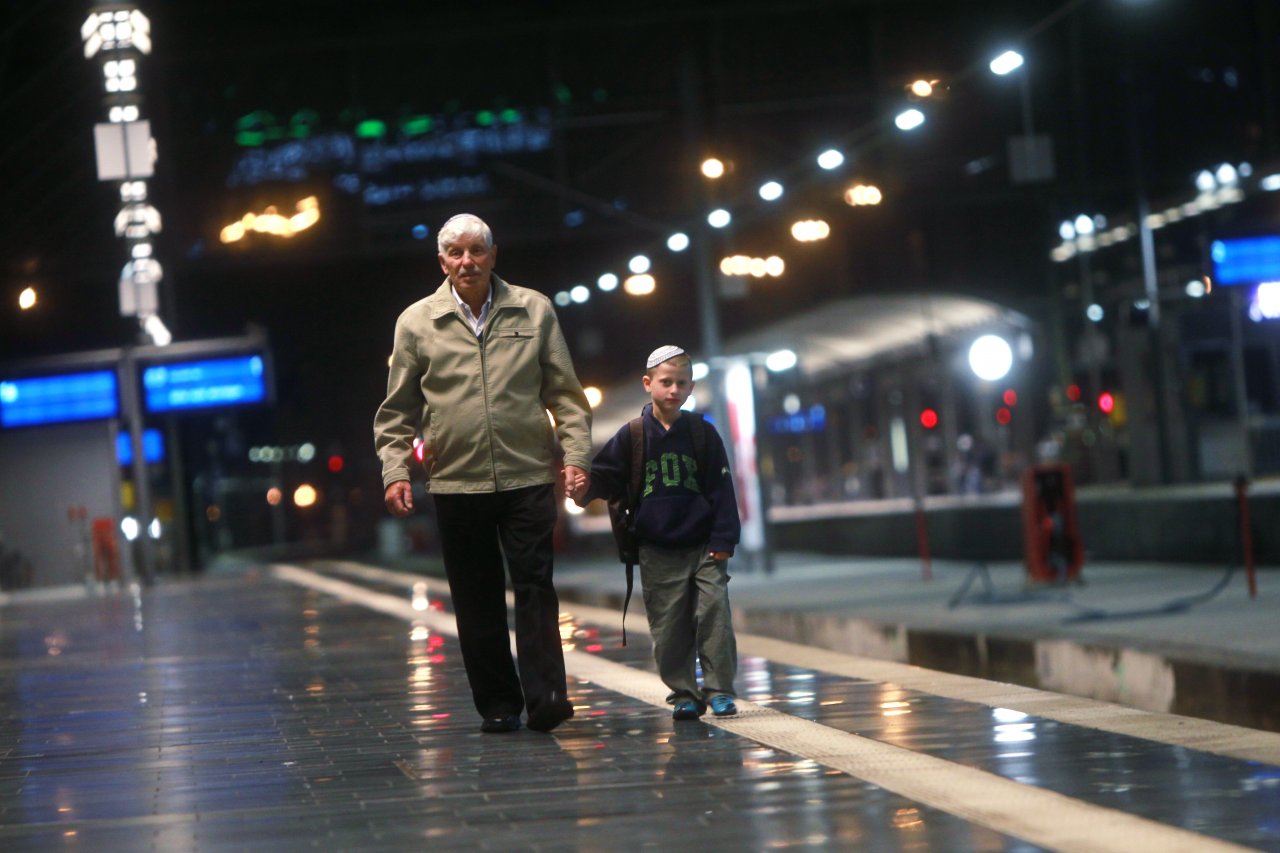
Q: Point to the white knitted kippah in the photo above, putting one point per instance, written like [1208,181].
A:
[661,354]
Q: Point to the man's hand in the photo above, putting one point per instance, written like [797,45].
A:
[720,556]
[576,482]
[399,498]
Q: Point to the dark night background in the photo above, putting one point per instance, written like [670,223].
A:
[634,95]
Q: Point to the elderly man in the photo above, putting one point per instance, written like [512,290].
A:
[477,365]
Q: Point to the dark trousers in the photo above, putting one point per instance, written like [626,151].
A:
[476,530]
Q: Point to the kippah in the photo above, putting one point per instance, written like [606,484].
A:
[661,354]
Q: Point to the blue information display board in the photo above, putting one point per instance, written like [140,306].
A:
[57,399]
[1247,260]
[152,447]
[203,384]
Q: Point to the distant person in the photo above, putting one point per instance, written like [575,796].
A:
[476,366]
[687,527]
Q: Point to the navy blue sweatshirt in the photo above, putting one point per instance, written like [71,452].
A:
[673,512]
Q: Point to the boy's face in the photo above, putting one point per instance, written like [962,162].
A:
[670,385]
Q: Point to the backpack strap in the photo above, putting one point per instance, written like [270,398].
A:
[636,434]
[637,462]
[698,431]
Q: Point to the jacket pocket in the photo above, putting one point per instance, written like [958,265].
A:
[442,439]
[513,335]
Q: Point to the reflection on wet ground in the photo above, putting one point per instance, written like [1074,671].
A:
[225,713]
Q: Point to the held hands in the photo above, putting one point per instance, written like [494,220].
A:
[576,482]
[399,498]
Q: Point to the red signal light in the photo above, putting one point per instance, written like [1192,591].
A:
[1010,397]
[928,419]
[1003,415]
[1106,402]
[335,463]
[1073,392]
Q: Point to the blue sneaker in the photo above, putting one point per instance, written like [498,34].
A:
[686,709]
[722,705]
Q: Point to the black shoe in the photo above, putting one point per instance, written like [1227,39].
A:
[501,723]
[551,712]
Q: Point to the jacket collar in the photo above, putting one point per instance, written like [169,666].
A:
[649,418]
[442,303]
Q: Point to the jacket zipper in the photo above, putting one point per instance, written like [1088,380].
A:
[484,383]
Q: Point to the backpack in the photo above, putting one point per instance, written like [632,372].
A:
[622,511]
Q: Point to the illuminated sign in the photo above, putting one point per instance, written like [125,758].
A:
[57,399]
[1249,260]
[152,447]
[812,420]
[272,222]
[297,160]
[206,383]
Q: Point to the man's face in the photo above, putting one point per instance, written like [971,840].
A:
[670,385]
[468,263]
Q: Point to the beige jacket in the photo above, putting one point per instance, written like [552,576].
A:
[483,401]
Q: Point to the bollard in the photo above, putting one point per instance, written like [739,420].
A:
[1052,547]
[922,542]
[1246,534]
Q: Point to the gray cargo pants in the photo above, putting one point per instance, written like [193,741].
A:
[686,598]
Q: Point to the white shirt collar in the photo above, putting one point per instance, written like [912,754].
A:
[476,323]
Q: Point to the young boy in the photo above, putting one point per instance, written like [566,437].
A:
[687,526]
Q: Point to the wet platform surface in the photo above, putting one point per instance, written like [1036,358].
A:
[325,708]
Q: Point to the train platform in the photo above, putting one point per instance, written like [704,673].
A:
[1189,639]
[323,706]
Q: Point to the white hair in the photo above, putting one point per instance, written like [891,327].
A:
[463,225]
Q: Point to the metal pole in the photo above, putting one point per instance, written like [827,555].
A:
[141,483]
[708,310]
[709,319]
[1150,283]
[1151,287]
[1239,390]
[180,534]
[1028,124]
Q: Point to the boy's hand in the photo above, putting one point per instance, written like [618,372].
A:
[575,482]
[720,556]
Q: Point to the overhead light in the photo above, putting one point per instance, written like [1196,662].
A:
[859,195]
[909,119]
[990,358]
[830,159]
[808,230]
[783,359]
[921,88]
[640,285]
[719,218]
[771,191]
[678,241]
[1006,62]
[156,330]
